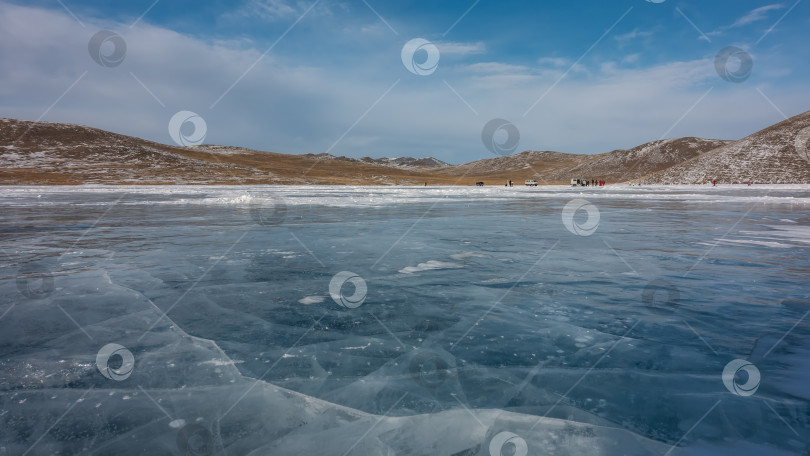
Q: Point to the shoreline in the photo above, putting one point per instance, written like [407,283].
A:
[338,185]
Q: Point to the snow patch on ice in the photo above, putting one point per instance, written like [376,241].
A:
[430,266]
[464,255]
[177,424]
[221,362]
[791,233]
[773,244]
[307,300]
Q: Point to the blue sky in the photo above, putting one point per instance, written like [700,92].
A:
[585,76]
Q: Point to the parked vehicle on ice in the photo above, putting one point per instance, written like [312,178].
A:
[531,183]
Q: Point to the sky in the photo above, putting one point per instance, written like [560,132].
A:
[346,77]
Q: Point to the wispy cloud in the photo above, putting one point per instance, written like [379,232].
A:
[755,15]
[557,62]
[630,36]
[273,10]
[451,48]
[496,68]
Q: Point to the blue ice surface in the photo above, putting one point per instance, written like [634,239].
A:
[546,320]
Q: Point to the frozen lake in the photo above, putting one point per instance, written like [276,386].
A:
[450,321]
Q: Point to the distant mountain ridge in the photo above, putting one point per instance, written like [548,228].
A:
[44,153]
[398,162]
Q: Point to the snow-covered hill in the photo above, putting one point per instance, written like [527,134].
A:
[615,166]
[767,156]
[398,162]
[406,162]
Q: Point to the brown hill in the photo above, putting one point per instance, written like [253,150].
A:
[558,168]
[767,156]
[54,153]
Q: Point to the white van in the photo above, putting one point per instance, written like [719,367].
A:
[531,183]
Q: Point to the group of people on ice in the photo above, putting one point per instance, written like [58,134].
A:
[587,182]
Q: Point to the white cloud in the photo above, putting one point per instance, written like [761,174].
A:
[274,10]
[451,48]
[553,61]
[756,15]
[371,29]
[268,9]
[496,68]
[630,36]
[631,58]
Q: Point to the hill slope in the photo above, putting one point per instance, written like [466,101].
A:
[54,153]
[767,156]
[615,166]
